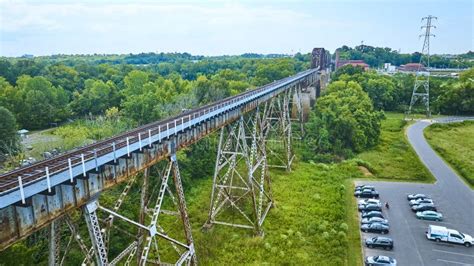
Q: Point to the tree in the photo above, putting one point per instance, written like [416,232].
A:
[8,137]
[134,82]
[8,95]
[457,99]
[63,76]
[270,71]
[96,98]
[210,90]
[381,91]
[343,121]
[38,103]
[467,75]
[348,70]
[143,108]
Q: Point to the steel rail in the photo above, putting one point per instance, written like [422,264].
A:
[37,171]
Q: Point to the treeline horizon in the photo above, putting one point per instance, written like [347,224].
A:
[373,56]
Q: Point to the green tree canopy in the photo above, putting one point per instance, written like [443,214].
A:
[8,137]
[343,121]
[97,97]
[37,103]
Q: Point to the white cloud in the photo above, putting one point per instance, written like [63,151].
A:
[203,27]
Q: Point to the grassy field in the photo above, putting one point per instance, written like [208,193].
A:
[314,221]
[393,158]
[455,143]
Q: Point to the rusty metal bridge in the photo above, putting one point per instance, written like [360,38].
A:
[44,194]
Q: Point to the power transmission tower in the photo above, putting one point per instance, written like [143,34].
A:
[421,88]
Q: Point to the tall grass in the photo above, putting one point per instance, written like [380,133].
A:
[455,143]
[393,158]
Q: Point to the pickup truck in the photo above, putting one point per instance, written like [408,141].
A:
[443,234]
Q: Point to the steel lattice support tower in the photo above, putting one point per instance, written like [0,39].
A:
[421,88]
[241,194]
[278,131]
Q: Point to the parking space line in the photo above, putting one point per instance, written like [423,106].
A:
[455,253]
[414,242]
[454,262]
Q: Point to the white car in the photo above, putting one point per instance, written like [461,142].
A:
[421,201]
[370,201]
[443,234]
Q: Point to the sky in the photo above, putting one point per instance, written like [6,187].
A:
[228,27]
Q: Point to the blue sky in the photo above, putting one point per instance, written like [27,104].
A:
[228,27]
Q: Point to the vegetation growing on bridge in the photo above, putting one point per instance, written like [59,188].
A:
[454,142]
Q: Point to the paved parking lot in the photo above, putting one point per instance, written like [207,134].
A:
[411,247]
[453,198]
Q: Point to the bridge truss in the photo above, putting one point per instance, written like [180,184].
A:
[256,132]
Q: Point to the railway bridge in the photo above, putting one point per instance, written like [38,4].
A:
[257,129]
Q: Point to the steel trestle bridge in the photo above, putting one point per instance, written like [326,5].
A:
[43,194]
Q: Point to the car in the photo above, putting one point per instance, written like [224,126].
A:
[370,214]
[424,207]
[375,228]
[374,220]
[370,207]
[366,193]
[429,215]
[363,203]
[379,242]
[367,201]
[380,261]
[417,196]
[443,234]
[421,201]
[362,187]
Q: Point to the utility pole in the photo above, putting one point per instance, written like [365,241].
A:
[421,88]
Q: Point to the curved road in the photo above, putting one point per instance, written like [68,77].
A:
[452,197]
[448,182]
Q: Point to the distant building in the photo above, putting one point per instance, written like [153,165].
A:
[29,56]
[412,67]
[340,63]
[389,67]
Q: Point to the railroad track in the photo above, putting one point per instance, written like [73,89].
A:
[38,170]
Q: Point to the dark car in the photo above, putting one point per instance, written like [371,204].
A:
[366,193]
[379,242]
[370,214]
[423,207]
[375,228]
[374,220]
[380,261]
[417,196]
[362,187]
[370,207]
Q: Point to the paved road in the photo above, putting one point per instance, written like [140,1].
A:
[454,199]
